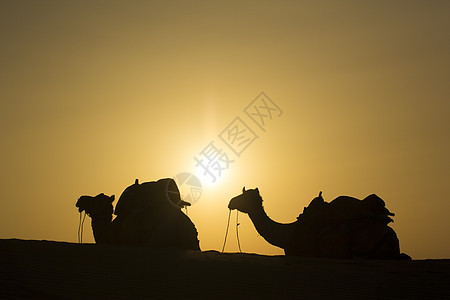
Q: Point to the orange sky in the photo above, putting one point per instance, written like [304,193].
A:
[97,93]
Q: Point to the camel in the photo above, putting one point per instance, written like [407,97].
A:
[344,228]
[148,214]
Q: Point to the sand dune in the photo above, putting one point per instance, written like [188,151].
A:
[44,269]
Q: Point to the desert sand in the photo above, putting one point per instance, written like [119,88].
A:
[48,269]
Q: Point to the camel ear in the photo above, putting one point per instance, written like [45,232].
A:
[257,190]
[112,198]
[243,189]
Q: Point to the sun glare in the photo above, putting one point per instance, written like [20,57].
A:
[208,180]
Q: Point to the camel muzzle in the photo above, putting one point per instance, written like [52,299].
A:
[232,205]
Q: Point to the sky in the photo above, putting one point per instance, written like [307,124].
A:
[95,94]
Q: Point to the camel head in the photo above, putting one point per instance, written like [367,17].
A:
[98,205]
[246,202]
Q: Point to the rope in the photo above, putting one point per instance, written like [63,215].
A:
[80,228]
[226,233]
[237,231]
[78,233]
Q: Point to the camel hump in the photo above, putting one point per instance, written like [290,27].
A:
[149,195]
[344,203]
[128,200]
[316,202]
[349,208]
[315,207]
[345,209]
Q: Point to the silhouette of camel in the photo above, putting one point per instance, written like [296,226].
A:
[344,228]
[148,214]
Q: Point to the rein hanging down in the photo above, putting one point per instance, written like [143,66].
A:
[237,231]
[80,228]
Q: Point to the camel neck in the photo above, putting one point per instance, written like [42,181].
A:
[277,234]
[101,227]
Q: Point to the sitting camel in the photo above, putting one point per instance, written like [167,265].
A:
[148,214]
[344,228]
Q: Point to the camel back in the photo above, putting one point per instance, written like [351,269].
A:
[346,228]
[146,196]
[345,209]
